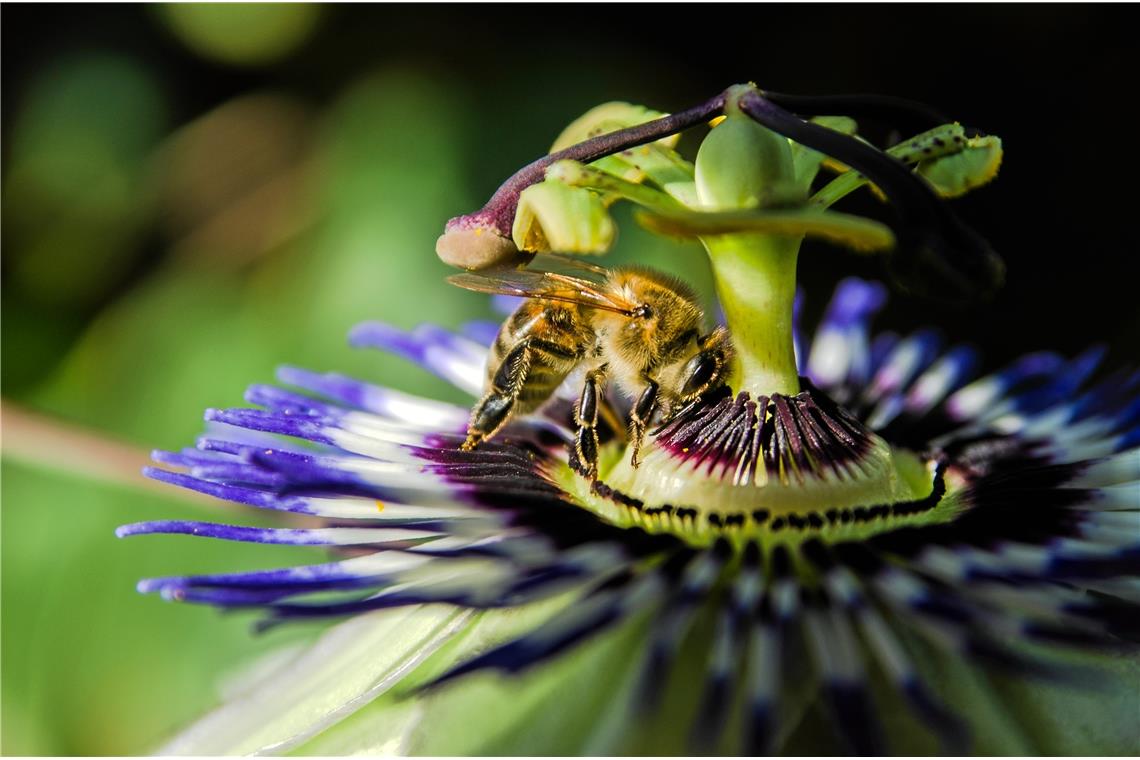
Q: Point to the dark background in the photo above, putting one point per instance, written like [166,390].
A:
[178,221]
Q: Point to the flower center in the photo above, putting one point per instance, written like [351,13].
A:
[774,468]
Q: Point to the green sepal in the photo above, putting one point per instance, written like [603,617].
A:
[807,161]
[553,216]
[845,229]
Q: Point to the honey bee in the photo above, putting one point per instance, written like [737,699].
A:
[640,327]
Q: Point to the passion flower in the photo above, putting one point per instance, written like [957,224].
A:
[846,521]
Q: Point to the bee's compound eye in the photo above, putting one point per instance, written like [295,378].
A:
[644,311]
[699,372]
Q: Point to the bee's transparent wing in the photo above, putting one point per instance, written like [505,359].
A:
[551,286]
[559,262]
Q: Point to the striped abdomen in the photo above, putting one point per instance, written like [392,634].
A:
[551,338]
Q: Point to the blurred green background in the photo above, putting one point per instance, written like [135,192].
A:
[195,194]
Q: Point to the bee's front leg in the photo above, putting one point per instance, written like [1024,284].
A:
[707,369]
[494,409]
[640,416]
[586,415]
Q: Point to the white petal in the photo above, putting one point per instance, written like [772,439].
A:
[349,666]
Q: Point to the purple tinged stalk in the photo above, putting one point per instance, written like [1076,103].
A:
[483,239]
[499,211]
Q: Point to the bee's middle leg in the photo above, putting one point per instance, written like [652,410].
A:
[586,415]
[640,416]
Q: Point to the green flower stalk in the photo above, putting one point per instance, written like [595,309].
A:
[848,544]
[742,166]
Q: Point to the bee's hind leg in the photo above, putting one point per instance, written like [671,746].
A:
[586,416]
[490,414]
[494,409]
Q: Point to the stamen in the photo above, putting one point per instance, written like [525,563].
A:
[790,436]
